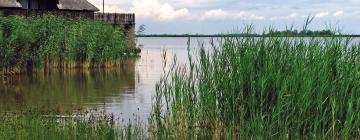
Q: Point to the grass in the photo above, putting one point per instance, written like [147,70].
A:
[262,88]
[91,125]
[242,88]
[55,42]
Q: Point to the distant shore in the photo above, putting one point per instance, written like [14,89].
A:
[242,35]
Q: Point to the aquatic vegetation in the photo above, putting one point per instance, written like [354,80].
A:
[55,42]
[91,125]
[237,88]
[262,88]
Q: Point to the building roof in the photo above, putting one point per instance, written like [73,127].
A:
[80,5]
[10,3]
[76,5]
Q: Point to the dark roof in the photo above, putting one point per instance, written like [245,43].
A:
[82,5]
[76,5]
[10,3]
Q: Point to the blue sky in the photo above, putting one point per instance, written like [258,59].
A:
[221,16]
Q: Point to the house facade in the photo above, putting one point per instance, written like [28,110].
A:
[66,8]
[72,9]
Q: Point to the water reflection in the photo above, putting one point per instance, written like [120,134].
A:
[66,91]
[124,91]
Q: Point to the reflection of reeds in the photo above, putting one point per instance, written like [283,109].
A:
[88,125]
[49,42]
[66,90]
[262,88]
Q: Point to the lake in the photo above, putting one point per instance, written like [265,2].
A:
[126,91]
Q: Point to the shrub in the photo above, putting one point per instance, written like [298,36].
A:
[55,42]
[262,88]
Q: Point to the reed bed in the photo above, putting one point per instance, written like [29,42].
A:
[55,42]
[92,125]
[262,88]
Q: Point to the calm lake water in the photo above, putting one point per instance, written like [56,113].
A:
[125,92]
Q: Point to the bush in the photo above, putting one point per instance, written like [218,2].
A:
[55,42]
[262,88]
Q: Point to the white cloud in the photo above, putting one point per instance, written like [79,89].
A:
[248,16]
[221,14]
[338,13]
[291,16]
[112,5]
[191,3]
[215,14]
[321,14]
[203,14]
[153,9]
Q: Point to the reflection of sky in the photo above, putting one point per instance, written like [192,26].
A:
[149,69]
[215,16]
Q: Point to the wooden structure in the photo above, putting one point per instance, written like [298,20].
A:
[126,20]
[69,8]
[72,9]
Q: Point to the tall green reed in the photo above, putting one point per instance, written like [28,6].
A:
[49,41]
[262,88]
[89,125]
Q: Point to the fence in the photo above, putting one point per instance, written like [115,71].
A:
[116,18]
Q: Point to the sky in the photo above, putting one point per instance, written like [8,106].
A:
[225,16]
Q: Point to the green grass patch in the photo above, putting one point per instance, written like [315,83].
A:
[262,88]
[45,126]
[56,42]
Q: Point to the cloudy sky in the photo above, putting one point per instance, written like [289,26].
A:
[221,16]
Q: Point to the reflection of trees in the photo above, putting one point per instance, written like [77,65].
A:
[66,91]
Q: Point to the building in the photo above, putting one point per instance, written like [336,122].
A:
[67,8]
[72,9]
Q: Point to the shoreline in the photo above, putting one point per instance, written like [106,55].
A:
[230,35]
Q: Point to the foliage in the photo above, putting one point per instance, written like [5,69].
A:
[91,125]
[295,33]
[262,88]
[49,41]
